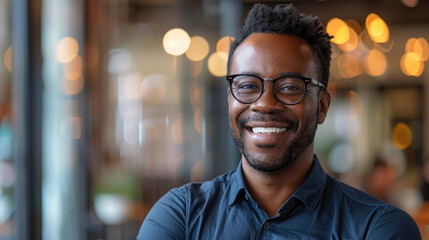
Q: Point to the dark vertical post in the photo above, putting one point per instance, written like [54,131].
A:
[26,99]
[221,152]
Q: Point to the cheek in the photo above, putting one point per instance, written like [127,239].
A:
[235,109]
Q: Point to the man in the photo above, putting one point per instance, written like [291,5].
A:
[278,73]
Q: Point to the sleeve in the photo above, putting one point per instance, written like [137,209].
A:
[166,219]
[394,224]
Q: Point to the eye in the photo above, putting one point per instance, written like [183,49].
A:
[248,86]
[290,86]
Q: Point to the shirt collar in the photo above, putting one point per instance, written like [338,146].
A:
[311,189]
[309,192]
[237,185]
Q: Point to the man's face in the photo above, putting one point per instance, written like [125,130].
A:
[268,56]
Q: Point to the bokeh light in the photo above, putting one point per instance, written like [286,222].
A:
[217,65]
[356,105]
[198,49]
[341,158]
[120,60]
[153,88]
[132,84]
[198,121]
[196,68]
[349,65]
[72,87]
[73,69]
[375,63]
[196,98]
[411,64]
[419,46]
[223,46]
[339,29]
[176,41]
[67,49]
[401,136]
[110,208]
[410,3]
[352,43]
[377,28]
[196,174]
[8,59]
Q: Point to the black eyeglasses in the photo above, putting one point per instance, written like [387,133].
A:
[289,89]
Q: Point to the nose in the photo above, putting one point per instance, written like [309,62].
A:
[267,103]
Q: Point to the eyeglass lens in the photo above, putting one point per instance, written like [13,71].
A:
[247,89]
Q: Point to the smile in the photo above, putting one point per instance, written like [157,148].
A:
[267,130]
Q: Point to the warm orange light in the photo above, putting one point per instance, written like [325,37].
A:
[410,3]
[375,63]
[339,29]
[356,105]
[72,87]
[176,41]
[198,121]
[196,174]
[222,47]
[424,56]
[73,69]
[349,65]
[196,98]
[411,64]
[352,43]
[198,49]
[67,49]
[8,59]
[377,28]
[402,136]
[419,46]
[217,65]
[196,68]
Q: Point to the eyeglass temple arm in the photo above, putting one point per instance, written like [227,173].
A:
[317,83]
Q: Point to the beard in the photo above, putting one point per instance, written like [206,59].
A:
[291,152]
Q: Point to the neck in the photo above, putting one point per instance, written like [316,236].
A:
[272,189]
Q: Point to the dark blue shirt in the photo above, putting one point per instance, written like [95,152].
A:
[321,208]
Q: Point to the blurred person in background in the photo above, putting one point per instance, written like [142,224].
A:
[278,74]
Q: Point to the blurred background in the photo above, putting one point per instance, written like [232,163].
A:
[105,105]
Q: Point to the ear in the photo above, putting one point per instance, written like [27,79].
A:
[324,102]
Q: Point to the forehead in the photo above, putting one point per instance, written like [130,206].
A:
[270,54]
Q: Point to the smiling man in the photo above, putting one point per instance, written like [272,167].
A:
[278,73]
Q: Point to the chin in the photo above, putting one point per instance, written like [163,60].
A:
[268,163]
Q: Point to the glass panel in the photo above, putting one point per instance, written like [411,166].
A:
[7,166]
[150,104]
[63,164]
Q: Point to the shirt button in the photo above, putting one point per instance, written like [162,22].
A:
[267,225]
[246,197]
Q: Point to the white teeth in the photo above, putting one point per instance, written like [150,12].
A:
[268,130]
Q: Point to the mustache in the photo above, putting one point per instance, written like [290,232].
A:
[268,118]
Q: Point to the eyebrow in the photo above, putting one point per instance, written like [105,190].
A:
[281,74]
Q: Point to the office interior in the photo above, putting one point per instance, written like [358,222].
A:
[105,105]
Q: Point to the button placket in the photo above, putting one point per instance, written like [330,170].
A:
[246,197]
[267,226]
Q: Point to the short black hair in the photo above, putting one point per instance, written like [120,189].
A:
[285,19]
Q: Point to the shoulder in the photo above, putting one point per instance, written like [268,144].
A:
[170,214]
[383,221]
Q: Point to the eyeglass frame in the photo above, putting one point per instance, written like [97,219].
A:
[306,81]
